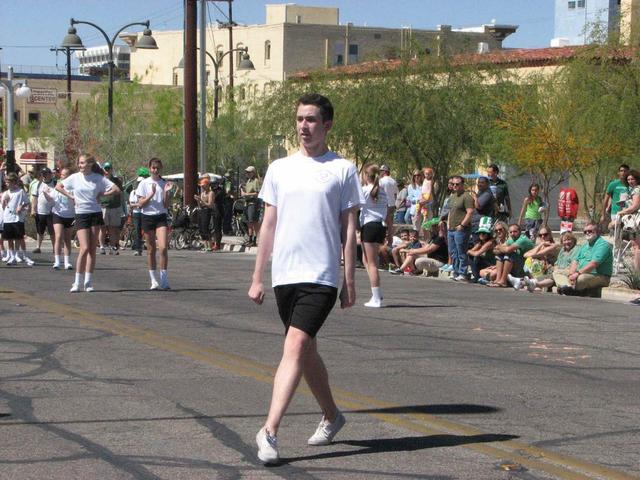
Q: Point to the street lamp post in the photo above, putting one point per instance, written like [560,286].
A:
[245,64]
[22,91]
[72,41]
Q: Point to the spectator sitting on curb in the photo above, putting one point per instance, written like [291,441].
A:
[565,256]
[489,274]
[397,246]
[425,258]
[592,267]
[510,256]
[481,254]
[539,260]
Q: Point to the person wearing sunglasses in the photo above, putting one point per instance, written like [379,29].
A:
[538,262]
[510,256]
[592,268]
[414,193]
[461,208]
[566,255]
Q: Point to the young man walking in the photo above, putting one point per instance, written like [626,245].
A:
[306,262]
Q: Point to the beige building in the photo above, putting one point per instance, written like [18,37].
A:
[48,94]
[300,38]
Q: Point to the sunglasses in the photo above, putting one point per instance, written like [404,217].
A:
[588,230]
[543,234]
[499,230]
[456,184]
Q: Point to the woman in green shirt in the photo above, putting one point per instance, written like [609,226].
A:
[532,209]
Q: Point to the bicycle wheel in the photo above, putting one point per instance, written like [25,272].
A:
[181,241]
[127,237]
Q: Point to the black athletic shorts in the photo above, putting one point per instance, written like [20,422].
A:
[305,305]
[44,223]
[88,220]
[151,222]
[252,212]
[66,222]
[13,231]
[373,232]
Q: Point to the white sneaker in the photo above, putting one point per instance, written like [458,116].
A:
[103,251]
[12,261]
[68,266]
[267,447]
[56,266]
[373,303]
[29,262]
[18,259]
[326,431]
[74,288]
[461,278]
[88,287]
[530,283]
[5,257]
[154,285]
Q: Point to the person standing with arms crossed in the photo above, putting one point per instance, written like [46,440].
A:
[305,273]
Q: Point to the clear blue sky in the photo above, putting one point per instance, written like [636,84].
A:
[28,28]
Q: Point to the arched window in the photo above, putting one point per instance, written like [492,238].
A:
[267,51]
[239,54]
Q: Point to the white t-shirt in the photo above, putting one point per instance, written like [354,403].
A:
[133,199]
[310,194]
[14,199]
[44,206]
[62,206]
[373,210]
[86,189]
[155,205]
[390,188]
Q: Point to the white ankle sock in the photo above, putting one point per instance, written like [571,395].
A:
[56,259]
[67,259]
[376,294]
[152,275]
[163,275]
[78,279]
[88,278]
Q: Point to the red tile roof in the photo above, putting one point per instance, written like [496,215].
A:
[509,58]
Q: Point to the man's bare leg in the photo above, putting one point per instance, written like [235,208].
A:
[317,378]
[290,369]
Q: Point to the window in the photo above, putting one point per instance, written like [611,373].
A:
[34,120]
[175,79]
[239,54]
[298,18]
[377,36]
[572,5]
[581,3]
[267,51]
[353,53]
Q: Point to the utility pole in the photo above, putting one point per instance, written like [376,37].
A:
[230,26]
[190,101]
[203,87]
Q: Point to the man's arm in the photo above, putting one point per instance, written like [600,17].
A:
[466,221]
[348,222]
[424,250]
[267,234]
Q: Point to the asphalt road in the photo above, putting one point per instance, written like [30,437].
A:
[448,381]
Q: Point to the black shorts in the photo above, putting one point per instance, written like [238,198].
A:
[13,231]
[373,232]
[88,220]
[305,305]
[66,222]
[252,212]
[44,223]
[151,222]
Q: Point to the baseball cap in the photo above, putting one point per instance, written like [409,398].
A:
[250,168]
[107,165]
[142,172]
[485,225]
[45,171]
[430,223]
[384,168]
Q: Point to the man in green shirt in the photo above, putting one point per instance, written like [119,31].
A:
[250,191]
[592,267]
[510,256]
[461,207]
[612,195]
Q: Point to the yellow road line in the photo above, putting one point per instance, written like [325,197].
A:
[559,465]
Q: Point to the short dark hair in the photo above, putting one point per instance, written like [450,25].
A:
[323,103]
[625,166]
[155,160]
[495,167]
[516,225]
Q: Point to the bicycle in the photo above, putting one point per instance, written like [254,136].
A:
[184,232]
[238,223]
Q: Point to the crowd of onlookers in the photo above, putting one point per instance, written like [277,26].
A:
[473,237]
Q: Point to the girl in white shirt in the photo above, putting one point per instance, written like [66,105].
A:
[64,213]
[153,198]
[372,229]
[15,204]
[84,188]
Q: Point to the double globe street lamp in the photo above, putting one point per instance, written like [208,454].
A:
[72,41]
[7,90]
